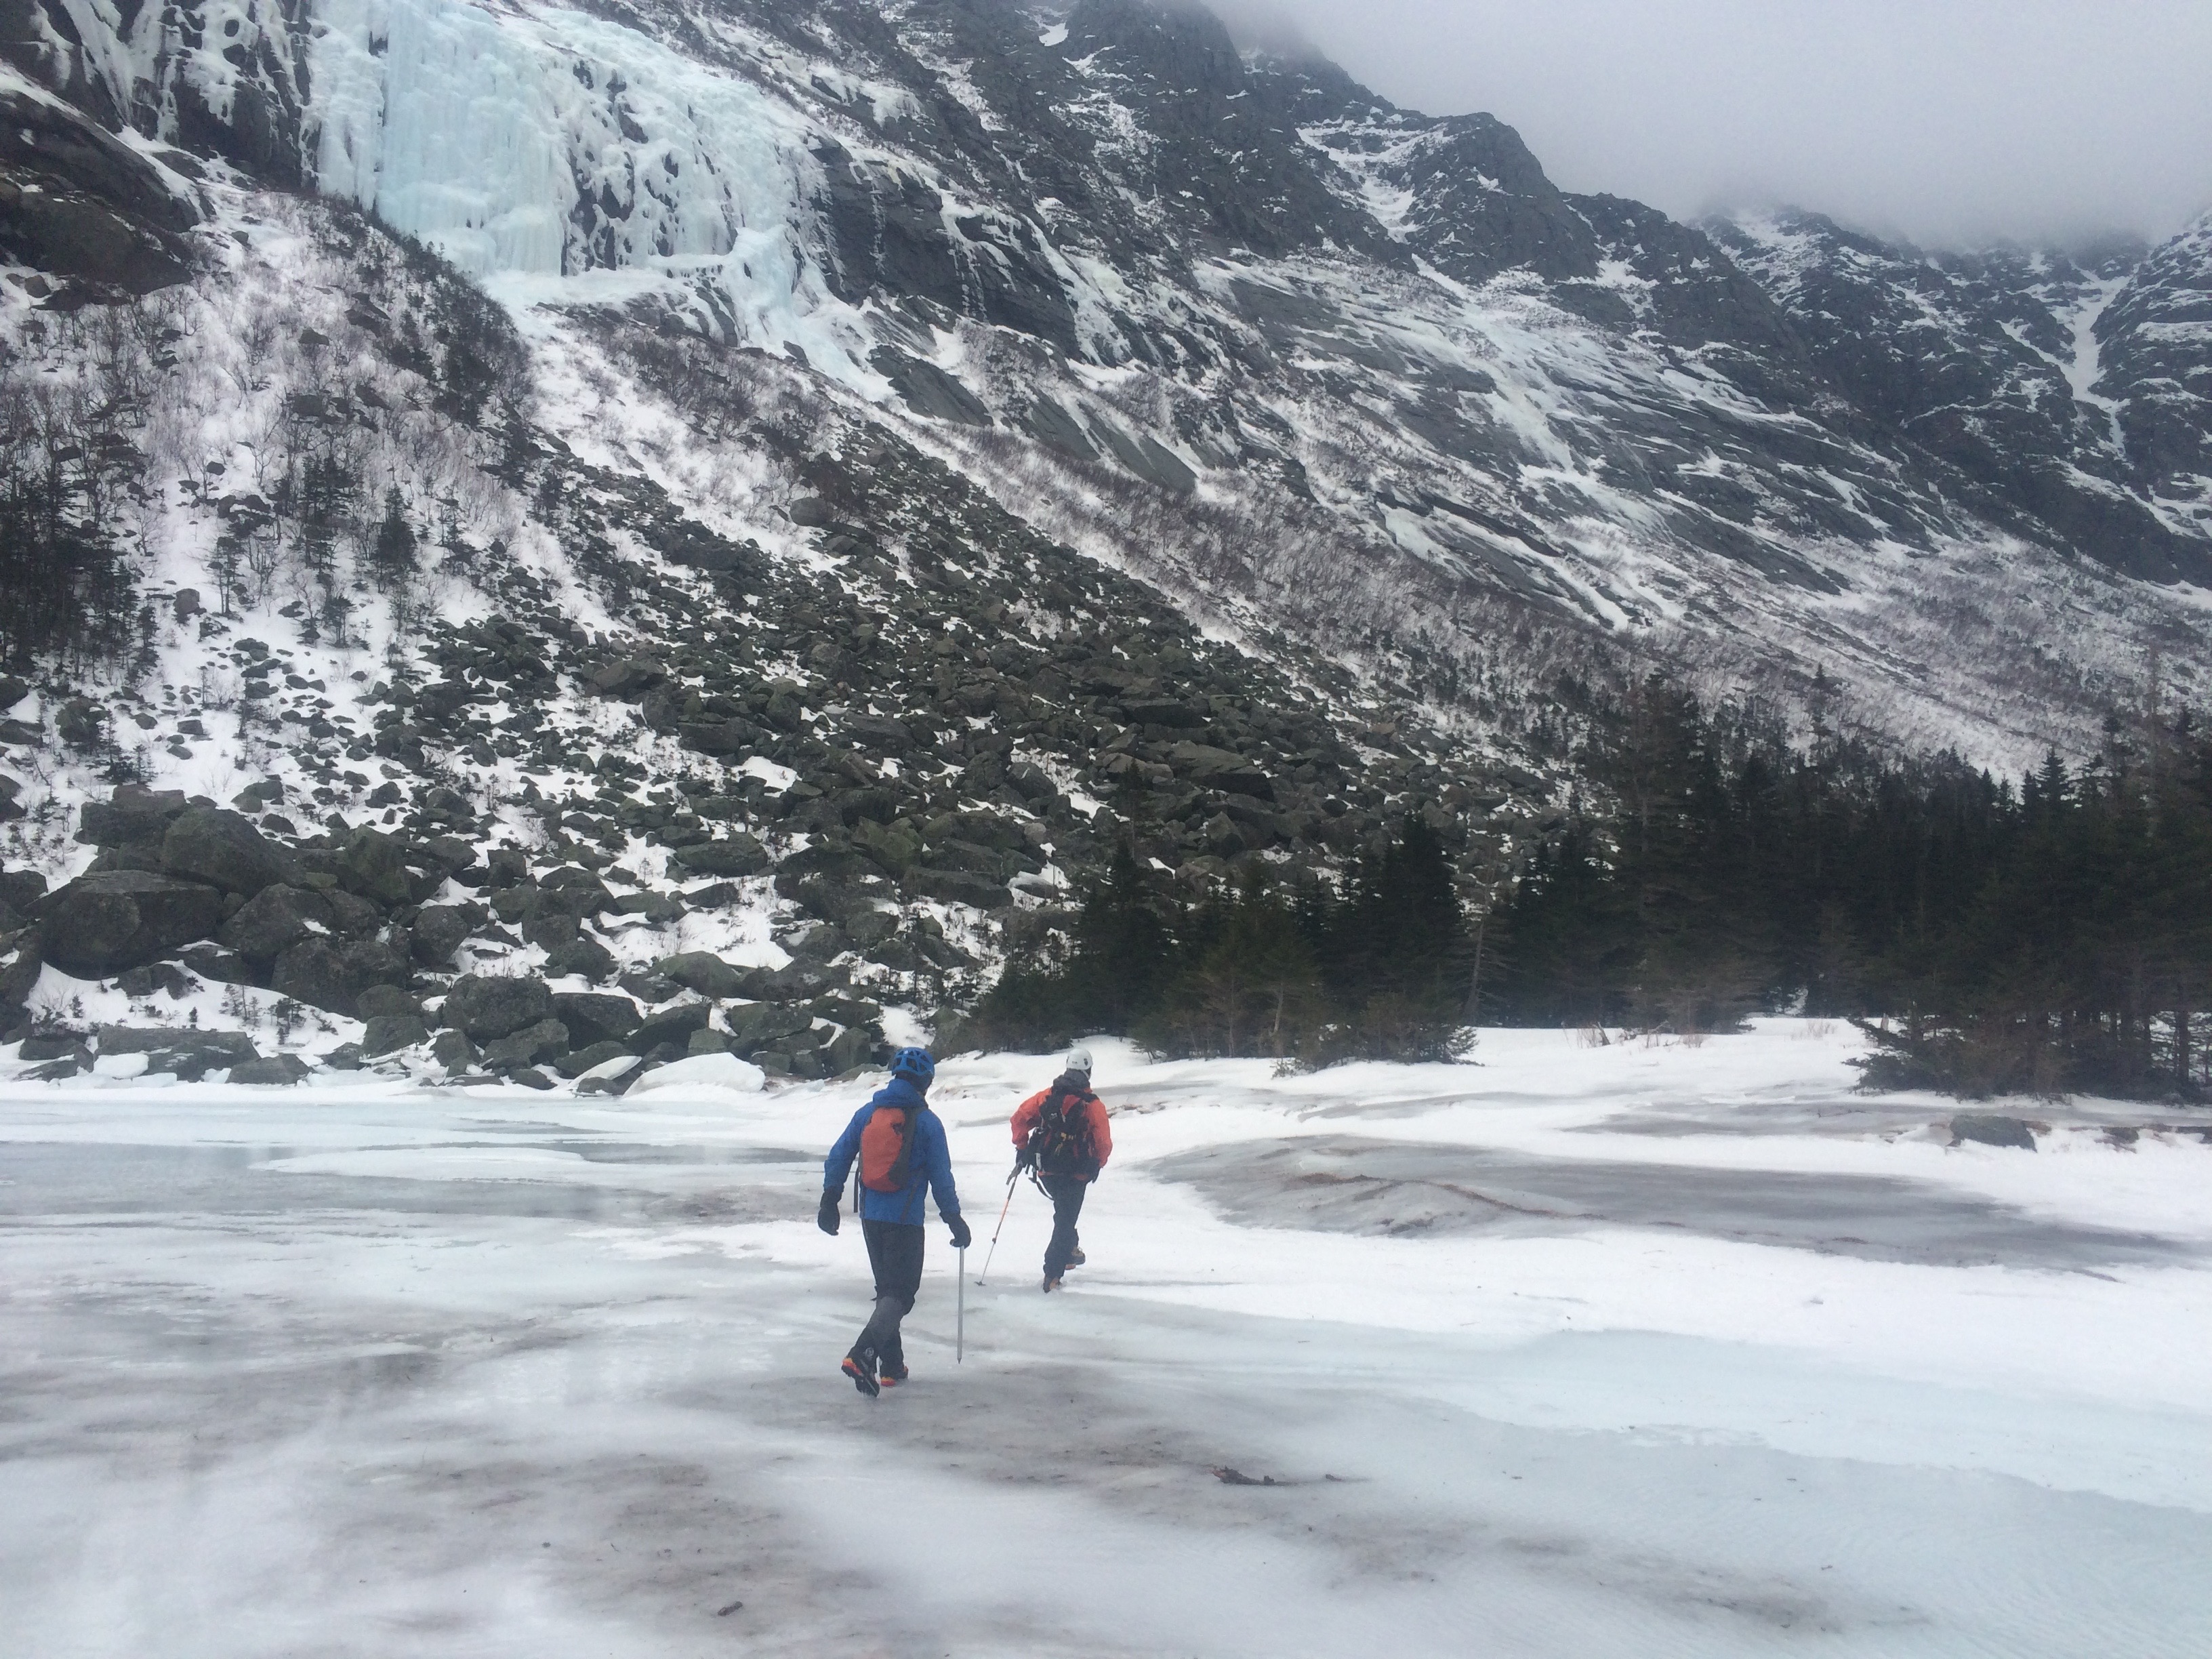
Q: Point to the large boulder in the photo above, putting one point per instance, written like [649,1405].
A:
[794,981]
[594,1017]
[629,678]
[574,892]
[550,931]
[577,1062]
[356,916]
[1221,768]
[98,925]
[756,1025]
[219,846]
[133,815]
[213,962]
[1993,1129]
[702,971]
[878,734]
[188,1053]
[735,736]
[547,1040]
[162,1039]
[895,846]
[19,969]
[740,854]
[275,920]
[384,1034]
[673,1025]
[439,931]
[21,889]
[585,957]
[374,866]
[821,943]
[383,999]
[960,887]
[331,974]
[486,1007]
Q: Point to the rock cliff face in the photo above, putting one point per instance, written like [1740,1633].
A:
[2002,365]
[2154,358]
[1277,256]
[951,436]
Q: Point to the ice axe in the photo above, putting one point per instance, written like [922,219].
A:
[960,1322]
[1001,1227]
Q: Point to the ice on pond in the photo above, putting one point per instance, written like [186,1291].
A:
[368,1371]
[1397,1187]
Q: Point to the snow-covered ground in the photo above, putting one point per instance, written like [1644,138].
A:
[1638,1350]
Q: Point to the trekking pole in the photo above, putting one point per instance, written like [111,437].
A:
[1001,1227]
[960,1324]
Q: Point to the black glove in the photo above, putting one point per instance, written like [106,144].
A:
[960,1233]
[1024,1158]
[826,1217]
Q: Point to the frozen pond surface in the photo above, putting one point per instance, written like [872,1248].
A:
[367,1371]
[1400,1188]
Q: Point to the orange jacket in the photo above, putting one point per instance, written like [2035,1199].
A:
[1101,1136]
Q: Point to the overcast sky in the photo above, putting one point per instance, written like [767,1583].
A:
[1943,120]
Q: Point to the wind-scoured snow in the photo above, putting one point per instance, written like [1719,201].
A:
[1534,1365]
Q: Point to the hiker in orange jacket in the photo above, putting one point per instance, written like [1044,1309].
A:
[1062,1136]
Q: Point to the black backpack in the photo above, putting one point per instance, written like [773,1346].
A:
[1062,1136]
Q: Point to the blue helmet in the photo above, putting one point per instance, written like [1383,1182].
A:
[916,1065]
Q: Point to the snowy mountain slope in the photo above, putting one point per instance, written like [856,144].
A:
[1991,361]
[565,655]
[1121,273]
[2155,365]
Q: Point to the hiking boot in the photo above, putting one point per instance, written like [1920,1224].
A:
[1051,1282]
[891,1372]
[1077,1259]
[860,1366]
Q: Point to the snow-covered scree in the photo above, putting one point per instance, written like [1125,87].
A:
[1535,1362]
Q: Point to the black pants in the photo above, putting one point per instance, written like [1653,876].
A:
[1066,1192]
[895,1254]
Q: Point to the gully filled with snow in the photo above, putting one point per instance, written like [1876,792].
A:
[1592,1351]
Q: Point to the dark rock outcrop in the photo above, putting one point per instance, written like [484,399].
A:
[78,202]
[488,1007]
[545,1041]
[383,1034]
[275,920]
[1992,1129]
[702,971]
[595,1016]
[100,924]
[134,815]
[332,974]
[219,846]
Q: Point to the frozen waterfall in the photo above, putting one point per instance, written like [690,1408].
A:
[548,143]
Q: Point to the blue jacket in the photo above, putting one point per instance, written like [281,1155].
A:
[930,1164]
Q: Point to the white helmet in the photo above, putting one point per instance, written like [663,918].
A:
[1078,1060]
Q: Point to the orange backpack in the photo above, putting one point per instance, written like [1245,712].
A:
[887,1149]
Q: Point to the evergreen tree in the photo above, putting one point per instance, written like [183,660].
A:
[392,554]
[1251,986]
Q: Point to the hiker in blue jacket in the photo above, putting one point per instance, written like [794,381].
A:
[900,1143]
